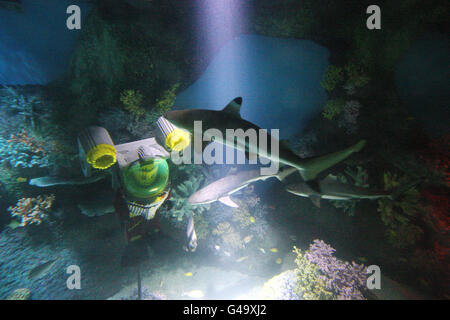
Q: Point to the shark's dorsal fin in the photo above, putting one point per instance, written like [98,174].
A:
[234,107]
[228,202]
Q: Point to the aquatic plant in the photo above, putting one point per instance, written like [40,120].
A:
[24,150]
[229,236]
[333,76]
[310,284]
[32,210]
[132,102]
[397,214]
[180,194]
[345,279]
[333,108]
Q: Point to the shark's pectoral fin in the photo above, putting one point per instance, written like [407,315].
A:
[234,107]
[228,202]
[315,199]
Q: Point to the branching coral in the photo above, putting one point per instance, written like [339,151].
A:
[32,210]
[23,150]
[310,283]
[343,278]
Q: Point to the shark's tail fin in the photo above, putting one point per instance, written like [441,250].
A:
[310,168]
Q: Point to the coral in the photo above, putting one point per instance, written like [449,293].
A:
[349,119]
[437,157]
[241,215]
[20,294]
[132,102]
[229,236]
[333,108]
[280,287]
[32,210]
[356,76]
[397,214]
[167,100]
[333,76]
[438,210]
[181,207]
[201,226]
[310,284]
[24,150]
[23,104]
[343,278]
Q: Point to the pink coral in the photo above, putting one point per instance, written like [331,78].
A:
[32,210]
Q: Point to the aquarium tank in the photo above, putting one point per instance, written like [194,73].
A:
[224,150]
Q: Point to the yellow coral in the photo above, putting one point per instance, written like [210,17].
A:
[310,285]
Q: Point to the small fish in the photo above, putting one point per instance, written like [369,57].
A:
[194,294]
[227,253]
[191,236]
[262,250]
[279,261]
[247,239]
[161,283]
[252,219]
[274,250]
[242,259]
[21,179]
[40,269]
[188,274]
[217,247]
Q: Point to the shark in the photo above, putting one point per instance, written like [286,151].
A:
[331,189]
[220,190]
[230,118]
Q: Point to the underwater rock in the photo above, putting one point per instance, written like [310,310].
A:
[422,82]
[280,77]
[23,59]
[100,205]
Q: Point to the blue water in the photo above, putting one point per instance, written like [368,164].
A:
[279,80]
[422,79]
[35,45]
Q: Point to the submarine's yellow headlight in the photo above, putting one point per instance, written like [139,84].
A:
[178,140]
[102,156]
